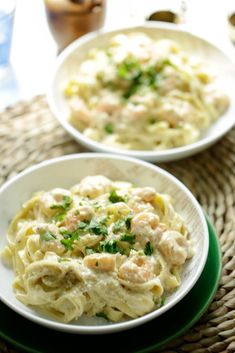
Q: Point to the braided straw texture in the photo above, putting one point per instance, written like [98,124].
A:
[29,134]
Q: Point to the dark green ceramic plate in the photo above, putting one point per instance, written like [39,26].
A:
[31,337]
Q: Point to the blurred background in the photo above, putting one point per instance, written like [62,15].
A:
[34,49]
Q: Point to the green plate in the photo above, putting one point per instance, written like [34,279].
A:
[31,337]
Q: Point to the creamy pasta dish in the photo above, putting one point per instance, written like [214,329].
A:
[143,94]
[102,248]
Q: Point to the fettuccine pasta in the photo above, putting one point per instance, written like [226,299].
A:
[143,94]
[103,247]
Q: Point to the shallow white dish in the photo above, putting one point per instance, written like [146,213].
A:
[72,56]
[69,170]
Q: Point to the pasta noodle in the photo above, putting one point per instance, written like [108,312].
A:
[143,94]
[102,248]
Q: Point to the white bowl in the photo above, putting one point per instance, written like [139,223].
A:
[72,56]
[69,170]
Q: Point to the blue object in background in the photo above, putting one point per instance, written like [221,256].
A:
[6,27]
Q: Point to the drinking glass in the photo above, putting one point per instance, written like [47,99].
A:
[70,19]
[7,9]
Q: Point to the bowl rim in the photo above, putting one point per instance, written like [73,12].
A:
[115,327]
[158,156]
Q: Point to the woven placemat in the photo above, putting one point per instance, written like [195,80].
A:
[29,134]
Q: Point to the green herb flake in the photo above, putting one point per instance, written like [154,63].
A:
[151,121]
[83,225]
[98,227]
[179,126]
[59,217]
[162,301]
[118,226]
[48,236]
[97,264]
[110,247]
[63,259]
[103,315]
[110,85]
[129,69]
[128,221]
[128,238]
[68,244]
[122,225]
[69,238]
[114,197]
[122,71]
[148,250]
[89,251]
[131,90]
[65,205]
[109,128]
[97,205]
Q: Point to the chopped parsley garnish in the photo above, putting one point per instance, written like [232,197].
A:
[148,250]
[128,221]
[47,236]
[139,76]
[162,301]
[68,243]
[110,246]
[111,85]
[65,205]
[122,225]
[131,90]
[59,217]
[89,251]
[129,69]
[63,259]
[178,126]
[69,238]
[98,227]
[128,238]
[109,128]
[96,205]
[114,197]
[83,225]
[95,226]
[103,315]
[119,226]
[152,121]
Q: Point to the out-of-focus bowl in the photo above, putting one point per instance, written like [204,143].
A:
[67,67]
[69,170]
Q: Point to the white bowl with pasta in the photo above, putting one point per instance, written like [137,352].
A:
[155,92]
[98,243]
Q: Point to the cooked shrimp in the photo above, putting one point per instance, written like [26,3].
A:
[81,213]
[147,194]
[219,100]
[46,227]
[173,246]
[54,197]
[101,262]
[109,103]
[93,186]
[118,209]
[175,111]
[138,269]
[80,111]
[54,244]
[144,223]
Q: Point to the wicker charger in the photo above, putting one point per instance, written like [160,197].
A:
[29,135]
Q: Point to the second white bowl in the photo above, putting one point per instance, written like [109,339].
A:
[69,170]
